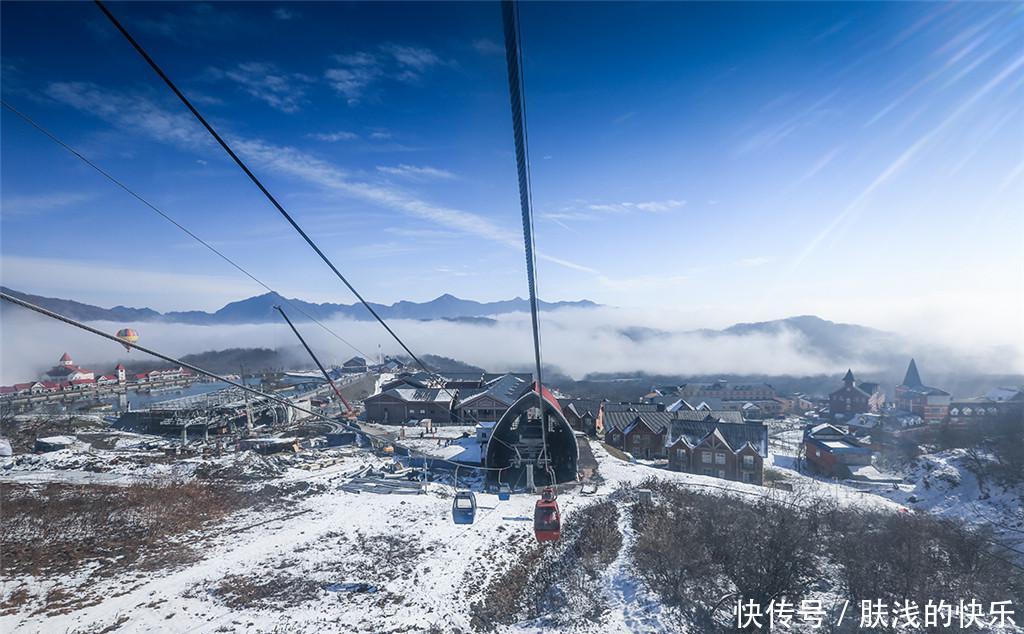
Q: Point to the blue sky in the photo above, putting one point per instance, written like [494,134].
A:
[864,162]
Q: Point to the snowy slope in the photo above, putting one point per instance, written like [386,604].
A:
[346,562]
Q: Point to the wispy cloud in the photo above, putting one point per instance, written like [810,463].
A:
[778,131]
[280,90]
[905,157]
[416,172]
[486,46]
[131,111]
[285,13]
[141,115]
[334,137]
[756,261]
[819,165]
[650,206]
[643,282]
[354,74]
[624,117]
[39,203]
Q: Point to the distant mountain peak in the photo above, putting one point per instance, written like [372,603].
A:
[258,309]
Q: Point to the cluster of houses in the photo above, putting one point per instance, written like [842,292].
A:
[700,440]
[67,376]
[755,401]
[458,398]
[862,404]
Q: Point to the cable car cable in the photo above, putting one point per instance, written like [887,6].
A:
[516,84]
[251,390]
[256,181]
[171,220]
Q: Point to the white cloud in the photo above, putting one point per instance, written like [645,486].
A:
[142,115]
[413,58]
[284,91]
[334,137]
[284,13]
[755,261]
[416,172]
[643,282]
[486,46]
[577,341]
[356,73]
[38,203]
[651,206]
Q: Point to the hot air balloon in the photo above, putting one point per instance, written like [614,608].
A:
[128,336]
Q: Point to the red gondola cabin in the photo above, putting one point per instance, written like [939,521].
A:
[547,521]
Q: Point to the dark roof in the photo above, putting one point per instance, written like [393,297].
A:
[713,415]
[854,387]
[505,389]
[619,421]
[736,434]
[415,395]
[925,390]
[582,405]
[869,387]
[633,407]
[849,377]
[912,378]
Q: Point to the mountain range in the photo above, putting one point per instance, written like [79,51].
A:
[260,309]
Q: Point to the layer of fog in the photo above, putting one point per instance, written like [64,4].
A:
[576,341]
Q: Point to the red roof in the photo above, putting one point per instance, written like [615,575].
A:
[548,396]
[65,357]
[81,381]
[119,366]
[108,377]
[7,389]
[23,386]
[141,375]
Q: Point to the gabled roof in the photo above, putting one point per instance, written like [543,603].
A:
[849,376]
[505,389]
[582,406]
[620,421]
[825,429]
[633,407]
[722,416]
[735,435]
[419,394]
[1001,394]
[642,419]
[65,357]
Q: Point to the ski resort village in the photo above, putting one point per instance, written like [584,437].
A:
[511,317]
[380,497]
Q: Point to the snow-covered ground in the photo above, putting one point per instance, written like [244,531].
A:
[942,484]
[336,561]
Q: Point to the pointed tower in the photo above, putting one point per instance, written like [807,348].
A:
[121,377]
[848,379]
[65,360]
[912,378]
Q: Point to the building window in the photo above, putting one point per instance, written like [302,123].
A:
[681,455]
[721,473]
[709,472]
[748,477]
[748,462]
[719,458]
[636,440]
[705,457]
